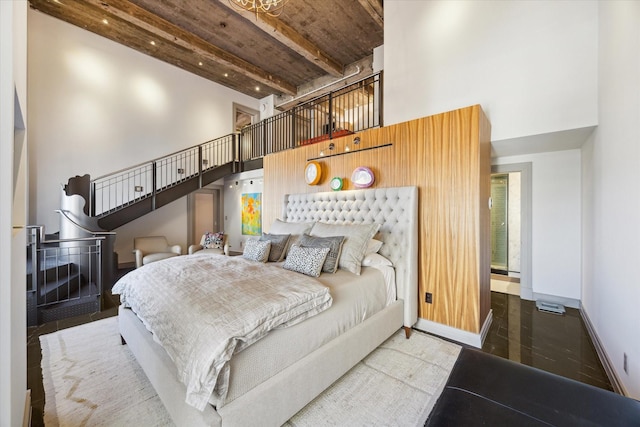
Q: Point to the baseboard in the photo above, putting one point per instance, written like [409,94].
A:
[617,385]
[485,327]
[26,417]
[124,265]
[455,334]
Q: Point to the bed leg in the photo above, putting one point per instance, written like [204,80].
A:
[122,340]
[407,331]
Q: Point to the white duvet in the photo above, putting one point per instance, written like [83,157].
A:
[202,308]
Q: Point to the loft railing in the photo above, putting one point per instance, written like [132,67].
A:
[354,108]
[351,109]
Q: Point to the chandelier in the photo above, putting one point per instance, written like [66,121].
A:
[268,7]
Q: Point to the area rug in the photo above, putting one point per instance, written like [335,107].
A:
[92,380]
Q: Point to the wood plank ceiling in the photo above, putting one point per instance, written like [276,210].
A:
[312,43]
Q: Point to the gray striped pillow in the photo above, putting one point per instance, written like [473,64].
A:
[334,243]
[278,245]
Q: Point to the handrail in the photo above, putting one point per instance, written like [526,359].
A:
[324,87]
[77,239]
[160,158]
[86,230]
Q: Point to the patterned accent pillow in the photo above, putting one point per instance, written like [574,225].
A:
[278,245]
[334,243]
[257,250]
[213,240]
[307,261]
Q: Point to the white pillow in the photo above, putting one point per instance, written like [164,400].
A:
[373,259]
[355,244]
[296,229]
[257,250]
[373,246]
[306,260]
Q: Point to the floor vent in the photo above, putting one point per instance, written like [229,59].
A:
[550,307]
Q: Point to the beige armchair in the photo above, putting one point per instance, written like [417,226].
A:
[223,249]
[154,248]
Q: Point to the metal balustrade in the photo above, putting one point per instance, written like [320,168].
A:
[64,276]
[351,109]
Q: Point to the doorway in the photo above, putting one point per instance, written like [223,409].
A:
[511,229]
[205,212]
[243,117]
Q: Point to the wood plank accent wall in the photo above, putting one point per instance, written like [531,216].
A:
[448,157]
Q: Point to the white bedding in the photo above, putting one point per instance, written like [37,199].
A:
[355,299]
[175,297]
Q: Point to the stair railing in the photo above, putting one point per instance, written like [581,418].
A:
[125,187]
[61,271]
[353,108]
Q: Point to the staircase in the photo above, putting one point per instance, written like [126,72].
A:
[64,276]
[120,197]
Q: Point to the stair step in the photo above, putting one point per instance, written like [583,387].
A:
[61,289]
[52,270]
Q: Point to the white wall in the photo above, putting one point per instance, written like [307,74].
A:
[96,107]
[248,182]
[170,221]
[556,207]
[531,65]
[611,193]
[13,202]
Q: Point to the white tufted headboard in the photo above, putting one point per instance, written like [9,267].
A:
[395,209]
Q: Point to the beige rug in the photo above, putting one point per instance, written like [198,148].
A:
[92,380]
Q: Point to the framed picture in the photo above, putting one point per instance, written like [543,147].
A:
[252,214]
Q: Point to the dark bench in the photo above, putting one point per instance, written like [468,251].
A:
[487,390]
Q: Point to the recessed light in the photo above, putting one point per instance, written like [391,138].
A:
[226,75]
[105,22]
[200,64]
[153,43]
[257,88]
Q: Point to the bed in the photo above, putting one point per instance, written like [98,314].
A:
[275,377]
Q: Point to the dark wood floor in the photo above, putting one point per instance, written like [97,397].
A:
[557,344]
[553,343]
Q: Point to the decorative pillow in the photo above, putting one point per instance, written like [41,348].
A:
[373,259]
[213,240]
[333,243]
[353,249]
[296,229]
[257,250]
[373,246]
[307,261]
[278,245]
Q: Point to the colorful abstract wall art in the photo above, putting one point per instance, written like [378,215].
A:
[252,214]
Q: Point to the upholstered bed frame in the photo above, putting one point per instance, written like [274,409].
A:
[277,399]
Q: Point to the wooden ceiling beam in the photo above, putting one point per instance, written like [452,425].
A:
[292,39]
[375,10]
[135,15]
